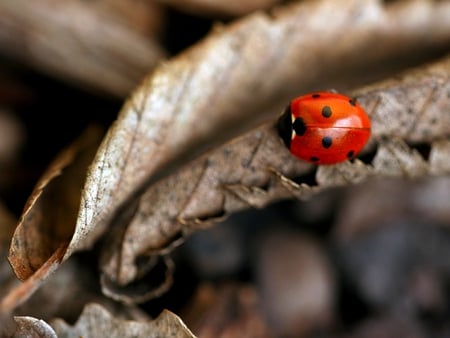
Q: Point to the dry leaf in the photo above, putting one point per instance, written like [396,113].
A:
[212,86]
[255,169]
[33,328]
[197,100]
[49,215]
[77,41]
[97,322]
[224,8]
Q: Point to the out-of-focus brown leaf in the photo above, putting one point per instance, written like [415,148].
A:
[33,327]
[95,321]
[224,8]
[78,41]
[296,284]
[393,198]
[255,169]
[230,310]
[395,253]
[48,219]
[143,16]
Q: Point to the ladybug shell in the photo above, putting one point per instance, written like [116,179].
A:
[324,128]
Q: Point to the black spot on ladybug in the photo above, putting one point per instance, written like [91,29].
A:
[284,126]
[352,101]
[299,126]
[314,159]
[326,111]
[315,96]
[350,154]
[327,142]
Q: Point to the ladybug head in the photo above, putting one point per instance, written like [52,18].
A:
[284,126]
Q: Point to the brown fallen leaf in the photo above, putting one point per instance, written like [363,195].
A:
[48,219]
[95,321]
[78,41]
[255,170]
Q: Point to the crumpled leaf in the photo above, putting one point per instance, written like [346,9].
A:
[49,215]
[33,328]
[95,321]
[255,169]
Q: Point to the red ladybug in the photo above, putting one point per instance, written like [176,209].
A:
[324,127]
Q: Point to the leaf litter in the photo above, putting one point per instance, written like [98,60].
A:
[152,163]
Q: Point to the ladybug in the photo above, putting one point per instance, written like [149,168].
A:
[324,127]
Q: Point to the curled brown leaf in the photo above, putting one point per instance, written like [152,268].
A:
[48,219]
